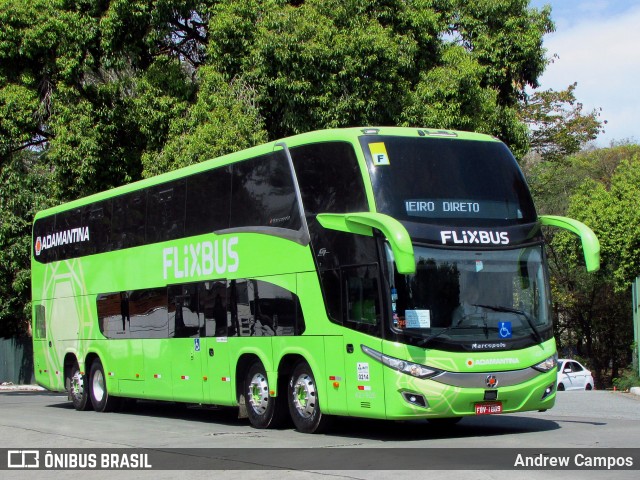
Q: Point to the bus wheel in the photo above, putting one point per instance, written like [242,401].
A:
[304,406]
[78,389]
[263,410]
[102,401]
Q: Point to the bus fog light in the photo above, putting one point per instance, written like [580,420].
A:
[548,391]
[415,399]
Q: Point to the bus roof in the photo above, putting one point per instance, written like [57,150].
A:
[317,136]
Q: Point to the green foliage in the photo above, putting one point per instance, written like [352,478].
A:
[100,93]
[24,191]
[558,125]
[224,119]
[611,210]
[627,380]
[602,189]
[342,63]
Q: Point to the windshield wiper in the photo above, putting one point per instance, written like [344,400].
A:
[449,328]
[499,308]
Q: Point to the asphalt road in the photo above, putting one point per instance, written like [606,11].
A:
[580,420]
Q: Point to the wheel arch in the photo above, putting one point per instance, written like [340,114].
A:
[89,359]
[242,367]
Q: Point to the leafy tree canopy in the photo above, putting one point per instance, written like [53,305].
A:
[602,189]
[97,93]
[558,125]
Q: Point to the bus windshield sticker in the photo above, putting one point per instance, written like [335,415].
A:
[363,372]
[418,318]
[379,154]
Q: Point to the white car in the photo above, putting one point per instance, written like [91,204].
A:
[573,376]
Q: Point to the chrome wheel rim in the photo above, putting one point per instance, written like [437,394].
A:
[77,385]
[97,386]
[304,396]
[259,393]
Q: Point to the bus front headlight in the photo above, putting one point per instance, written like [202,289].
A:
[547,364]
[410,368]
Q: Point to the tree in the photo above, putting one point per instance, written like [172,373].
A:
[24,189]
[223,119]
[94,94]
[602,189]
[334,63]
[558,126]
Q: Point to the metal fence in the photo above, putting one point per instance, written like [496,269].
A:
[16,361]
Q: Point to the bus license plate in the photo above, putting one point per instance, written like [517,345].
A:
[488,408]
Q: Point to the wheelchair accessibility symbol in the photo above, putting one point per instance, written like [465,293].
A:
[504,329]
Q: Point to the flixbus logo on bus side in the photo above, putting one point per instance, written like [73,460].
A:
[474,236]
[202,258]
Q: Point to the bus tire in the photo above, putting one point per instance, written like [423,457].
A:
[304,404]
[100,397]
[78,388]
[263,410]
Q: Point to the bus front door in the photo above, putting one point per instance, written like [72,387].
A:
[364,375]
[217,375]
[185,323]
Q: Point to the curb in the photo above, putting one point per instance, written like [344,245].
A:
[9,387]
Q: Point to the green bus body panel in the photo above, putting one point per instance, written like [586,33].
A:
[69,297]
[205,370]
[590,243]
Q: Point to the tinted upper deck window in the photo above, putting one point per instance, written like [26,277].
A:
[263,193]
[329,177]
[437,180]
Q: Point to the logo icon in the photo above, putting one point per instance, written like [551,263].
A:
[491,381]
[38,246]
[23,459]
[504,329]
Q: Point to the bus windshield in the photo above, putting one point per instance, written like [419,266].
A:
[462,296]
[447,181]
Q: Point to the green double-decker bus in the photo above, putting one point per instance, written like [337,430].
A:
[390,273]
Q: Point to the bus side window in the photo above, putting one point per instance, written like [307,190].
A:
[263,194]
[262,309]
[128,220]
[97,217]
[214,307]
[243,318]
[40,330]
[361,286]
[112,316]
[332,290]
[184,318]
[67,221]
[208,201]
[165,212]
[275,310]
[329,177]
[147,313]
